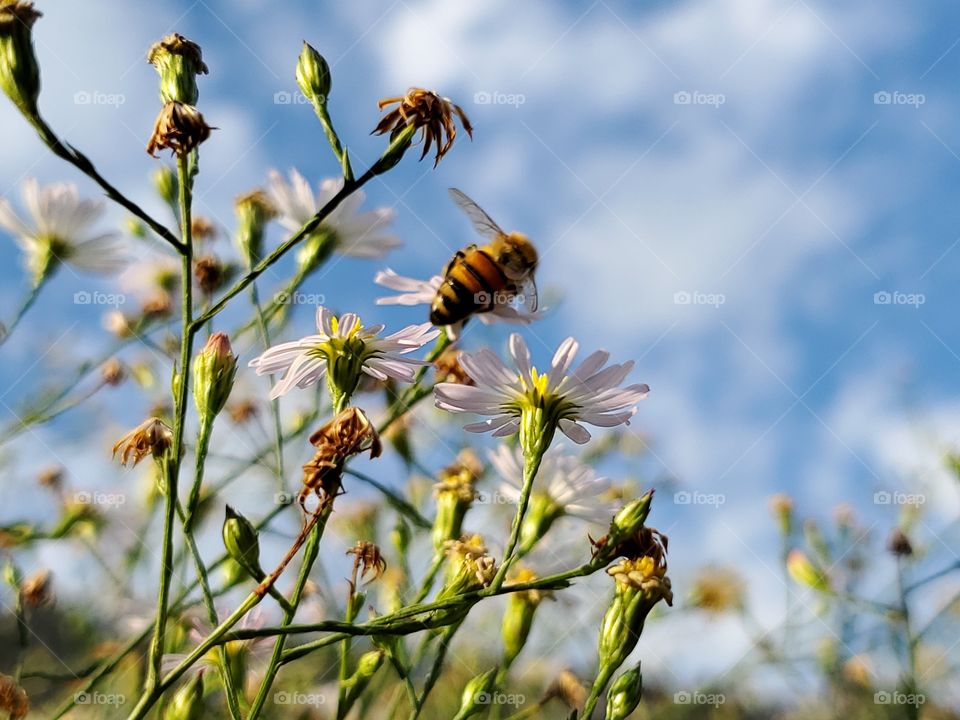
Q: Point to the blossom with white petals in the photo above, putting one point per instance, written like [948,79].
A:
[535,404]
[422,292]
[341,351]
[59,230]
[353,233]
[566,484]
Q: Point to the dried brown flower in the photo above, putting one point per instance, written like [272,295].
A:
[112,372]
[346,435]
[899,544]
[51,477]
[449,369]
[157,305]
[242,411]
[210,274]
[36,591]
[202,228]
[151,437]
[13,698]
[430,113]
[367,559]
[568,689]
[179,128]
[716,590]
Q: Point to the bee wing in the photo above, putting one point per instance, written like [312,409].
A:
[482,222]
[526,293]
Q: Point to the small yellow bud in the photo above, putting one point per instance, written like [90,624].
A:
[313,75]
[804,572]
[19,72]
[214,370]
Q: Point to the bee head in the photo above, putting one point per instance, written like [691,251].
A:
[517,255]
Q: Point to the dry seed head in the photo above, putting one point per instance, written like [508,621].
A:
[427,112]
[151,437]
[13,698]
[717,590]
[178,128]
[367,559]
[567,688]
[112,372]
[51,477]
[36,590]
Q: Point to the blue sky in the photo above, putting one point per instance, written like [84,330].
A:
[780,200]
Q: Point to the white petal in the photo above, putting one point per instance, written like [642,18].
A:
[575,432]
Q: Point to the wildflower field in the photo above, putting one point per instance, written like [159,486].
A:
[431,360]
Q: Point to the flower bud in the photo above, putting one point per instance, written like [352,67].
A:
[400,536]
[805,572]
[19,72]
[781,505]
[624,694]
[165,183]
[475,697]
[367,666]
[899,544]
[178,62]
[214,370]
[455,494]
[399,144]
[254,211]
[518,617]
[315,250]
[242,544]
[187,703]
[313,75]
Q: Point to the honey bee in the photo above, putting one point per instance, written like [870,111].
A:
[479,279]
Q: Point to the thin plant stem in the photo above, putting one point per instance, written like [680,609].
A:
[28,300]
[181,385]
[530,468]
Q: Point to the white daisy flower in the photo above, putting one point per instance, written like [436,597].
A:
[565,485]
[536,404]
[422,292]
[59,230]
[353,233]
[342,350]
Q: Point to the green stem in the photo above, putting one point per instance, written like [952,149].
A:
[348,189]
[603,677]
[275,403]
[530,467]
[435,669]
[181,385]
[83,164]
[200,456]
[310,552]
[25,305]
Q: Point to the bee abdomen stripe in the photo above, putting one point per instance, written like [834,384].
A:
[491,263]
